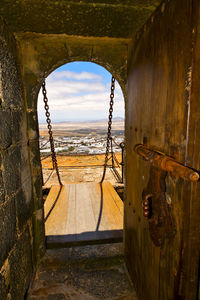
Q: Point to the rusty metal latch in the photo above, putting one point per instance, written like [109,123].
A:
[156,209]
[166,163]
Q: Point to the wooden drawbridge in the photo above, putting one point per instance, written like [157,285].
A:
[83,213]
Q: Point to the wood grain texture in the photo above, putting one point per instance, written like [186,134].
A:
[163,113]
[77,209]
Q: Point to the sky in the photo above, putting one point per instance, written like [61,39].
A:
[80,91]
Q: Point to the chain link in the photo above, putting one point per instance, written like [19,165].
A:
[112,89]
[49,126]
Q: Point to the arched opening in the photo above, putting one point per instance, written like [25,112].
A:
[82,210]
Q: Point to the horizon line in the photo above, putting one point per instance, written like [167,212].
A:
[84,121]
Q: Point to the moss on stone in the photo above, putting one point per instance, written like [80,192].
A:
[82,18]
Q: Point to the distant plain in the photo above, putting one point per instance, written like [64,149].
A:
[84,128]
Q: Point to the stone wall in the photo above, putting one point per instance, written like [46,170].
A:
[16,205]
[94,18]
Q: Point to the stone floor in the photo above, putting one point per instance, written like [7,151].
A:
[83,273]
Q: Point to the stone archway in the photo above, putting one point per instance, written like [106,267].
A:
[41,54]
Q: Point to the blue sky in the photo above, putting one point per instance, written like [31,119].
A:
[79,91]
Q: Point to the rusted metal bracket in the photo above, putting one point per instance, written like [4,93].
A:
[166,163]
[155,207]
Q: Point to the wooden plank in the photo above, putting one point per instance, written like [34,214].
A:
[71,214]
[163,113]
[87,238]
[75,215]
[116,199]
[95,196]
[111,211]
[51,199]
[84,213]
[56,220]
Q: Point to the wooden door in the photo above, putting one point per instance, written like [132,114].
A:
[163,112]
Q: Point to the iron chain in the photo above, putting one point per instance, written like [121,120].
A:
[112,90]
[49,126]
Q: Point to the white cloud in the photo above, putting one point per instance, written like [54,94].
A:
[74,75]
[73,100]
[62,87]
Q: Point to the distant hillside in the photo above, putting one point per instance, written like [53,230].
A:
[115,119]
[74,128]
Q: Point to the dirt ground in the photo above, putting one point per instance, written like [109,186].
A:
[78,160]
[78,168]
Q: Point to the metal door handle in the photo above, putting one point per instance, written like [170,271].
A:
[167,163]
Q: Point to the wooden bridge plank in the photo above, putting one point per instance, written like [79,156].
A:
[51,198]
[111,211]
[75,215]
[84,212]
[95,194]
[56,215]
[71,214]
[116,199]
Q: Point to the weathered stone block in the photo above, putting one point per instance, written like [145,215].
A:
[16,170]
[80,18]
[30,80]
[19,126]
[7,228]
[5,129]
[25,164]
[39,234]
[7,36]
[13,172]
[11,160]
[2,191]
[24,206]
[34,153]
[37,191]
[58,296]
[20,266]
[11,87]
[33,125]
[3,291]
